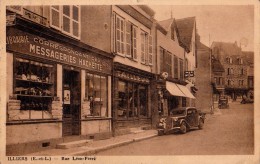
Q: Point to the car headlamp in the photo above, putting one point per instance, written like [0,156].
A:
[175,119]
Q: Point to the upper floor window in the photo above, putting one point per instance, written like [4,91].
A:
[120,28]
[66,19]
[181,69]
[146,48]
[131,39]
[229,60]
[166,61]
[126,41]
[176,70]
[230,71]
[240,61]
[242,71]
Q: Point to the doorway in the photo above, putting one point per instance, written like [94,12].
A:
[71,102]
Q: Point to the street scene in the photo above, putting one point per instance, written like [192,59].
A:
[226,133]
[129,80]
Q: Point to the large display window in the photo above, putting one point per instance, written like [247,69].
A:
[34,87]
[132,100]
[96,95]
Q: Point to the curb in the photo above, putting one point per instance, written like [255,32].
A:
[91,151]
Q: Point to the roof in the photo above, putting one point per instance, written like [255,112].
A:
[217,66]
[185,27]
[249,56]
[229,49]
[201,46]
[166,24]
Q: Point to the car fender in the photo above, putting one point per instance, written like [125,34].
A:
[183,120]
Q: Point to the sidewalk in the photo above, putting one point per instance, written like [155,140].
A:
[99,145]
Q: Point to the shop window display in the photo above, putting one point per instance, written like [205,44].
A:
[96,95]
[34,87]
[132,100]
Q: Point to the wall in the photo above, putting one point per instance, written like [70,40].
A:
[23,133]
[96,26]
[168,44]
[203,82]
[95,126]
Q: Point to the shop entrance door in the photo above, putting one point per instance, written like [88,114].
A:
[71,103]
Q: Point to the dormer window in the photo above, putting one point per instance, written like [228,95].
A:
[229,60]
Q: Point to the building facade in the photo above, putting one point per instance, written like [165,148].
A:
[59,88]
[169,86]
[236,68]
[204,95]
[188,40]
[126,31]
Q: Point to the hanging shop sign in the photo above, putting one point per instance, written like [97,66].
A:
[189,73]
[131,77]
[26,43]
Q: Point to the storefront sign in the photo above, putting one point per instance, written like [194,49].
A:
[26,43]
[132,77]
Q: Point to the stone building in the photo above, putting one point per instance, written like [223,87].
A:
[236,68]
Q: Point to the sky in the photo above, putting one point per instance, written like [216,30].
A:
[227,23]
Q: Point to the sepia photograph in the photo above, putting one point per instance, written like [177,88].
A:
[85,82]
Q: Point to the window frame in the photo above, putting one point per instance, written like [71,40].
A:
[61,15]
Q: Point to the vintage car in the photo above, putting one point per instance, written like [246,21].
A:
[181,119]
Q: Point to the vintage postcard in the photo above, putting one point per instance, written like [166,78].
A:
[129,82]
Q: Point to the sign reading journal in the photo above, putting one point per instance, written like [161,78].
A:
[26,43]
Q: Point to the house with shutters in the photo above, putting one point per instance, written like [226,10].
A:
[127,32]
[170,90]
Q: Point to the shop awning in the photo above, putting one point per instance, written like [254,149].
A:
[174,90]
[186,91]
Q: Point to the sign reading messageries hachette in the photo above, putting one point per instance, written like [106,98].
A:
[30,44]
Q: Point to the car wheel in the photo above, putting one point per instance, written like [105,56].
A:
[201,124]
[160,132]
[183,128]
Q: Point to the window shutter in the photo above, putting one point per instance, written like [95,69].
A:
[55,19]
[134,44]
[128,39]
[76,21]
[114,31]
[117,34]
[150,51]
[142,47]
[161,60]
[146,48]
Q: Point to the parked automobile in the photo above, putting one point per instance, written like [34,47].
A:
[181,119]
[246,100]
[223,103]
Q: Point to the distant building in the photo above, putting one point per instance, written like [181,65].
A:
[204,73]
[249,56]
[236,68]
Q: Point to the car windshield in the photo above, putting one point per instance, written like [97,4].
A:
[178,112]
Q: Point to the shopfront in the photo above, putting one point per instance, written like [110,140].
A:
[132,107]
[55,89]
[172,95]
